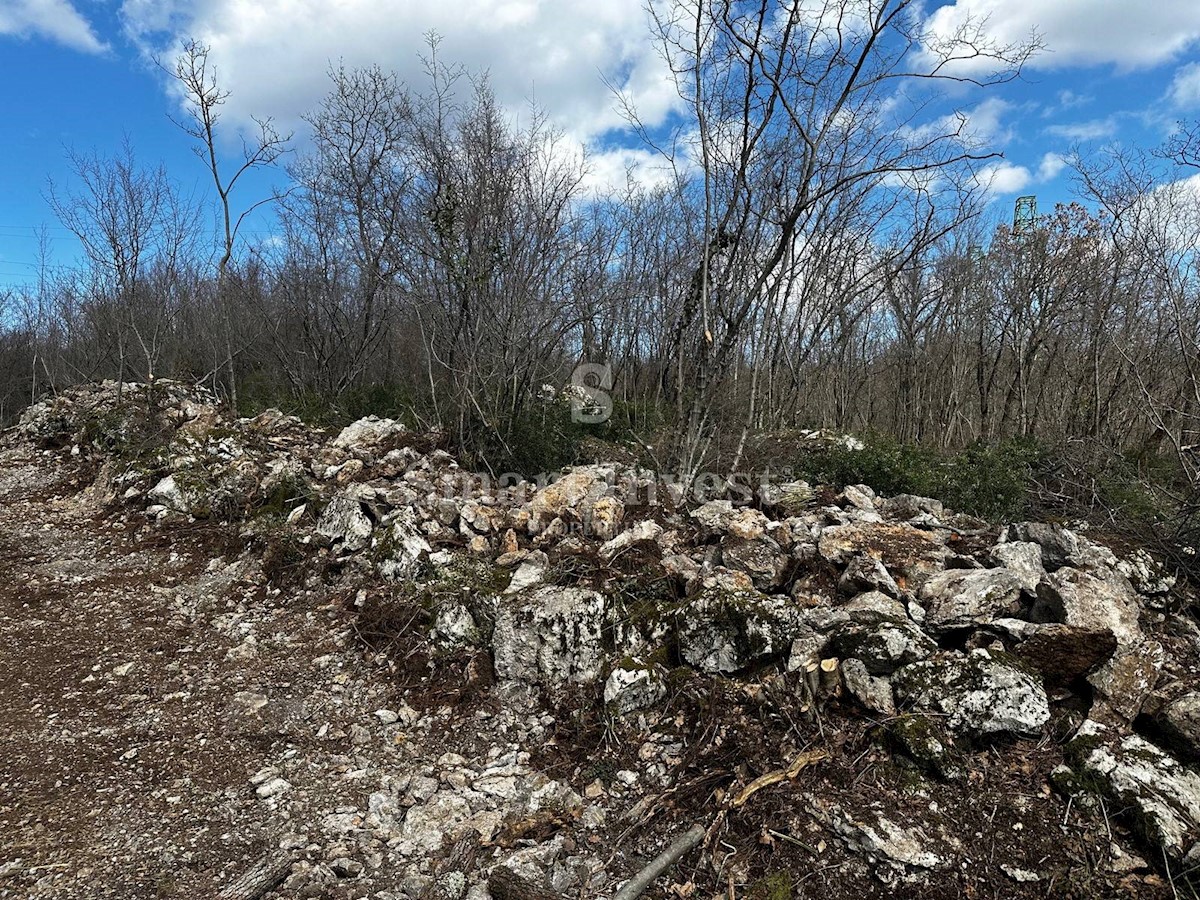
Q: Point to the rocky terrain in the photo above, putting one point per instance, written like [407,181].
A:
[248,646]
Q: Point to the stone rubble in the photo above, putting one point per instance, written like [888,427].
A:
[978,633]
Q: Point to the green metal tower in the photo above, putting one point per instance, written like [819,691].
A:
[1025,215]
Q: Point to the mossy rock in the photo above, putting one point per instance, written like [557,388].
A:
[923,741]
[722,631]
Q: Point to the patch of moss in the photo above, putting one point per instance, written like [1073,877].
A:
[773,886]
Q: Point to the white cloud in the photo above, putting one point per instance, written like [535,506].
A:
[985,122]
[1068,99]
[1082,32]
[274,54]
[1003,178]
[1185,87]
[1093,130]
[1050,166]
[612,170]
[980,127]
[56,20]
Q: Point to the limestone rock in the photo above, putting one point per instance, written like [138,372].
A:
[720,517]
[1058,544]
[1023,559]
[454,626]
[1080,598]
[910,554]
[979,694]
[1126,680]
[910,506]
[723,631]
[961,598]
[872,692]
[634,685]
[904,853]
[866,573]
[1064,653]
[760,558]
[550,637]
[428,825]
[605,516]
[167,493]
[1136,774]
[859,496]
[882,646]
[530,573]
[344,523]
[368,433]
[1146,574]
[576,490]
[922,740]
[1180,721]
[403,545]
[713,516]
[641,533]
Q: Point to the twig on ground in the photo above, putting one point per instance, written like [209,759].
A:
[638,884]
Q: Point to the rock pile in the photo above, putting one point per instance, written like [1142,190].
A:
[607,578]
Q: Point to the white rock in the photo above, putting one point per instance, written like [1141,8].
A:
[343,521]
[723,631]
[530,573]
[629,688]
[428,825]
[1085,599]
[1023,559]
[273,788]
[872,692]
[978,694]
[1137,774]
[368,433]
[551,637]
[642,532]
[454,626]
[963,598]
[167,493]
[405,544]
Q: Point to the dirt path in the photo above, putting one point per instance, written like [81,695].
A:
[132,670]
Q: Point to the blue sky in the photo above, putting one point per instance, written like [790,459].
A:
[77,73]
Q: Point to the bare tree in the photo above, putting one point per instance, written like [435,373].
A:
[789,105]
[203,98]
[128,220]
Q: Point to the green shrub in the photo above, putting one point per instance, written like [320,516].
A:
[993,482]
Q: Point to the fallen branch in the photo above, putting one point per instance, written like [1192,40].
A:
[798,764]
[637,885]
[264,875]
